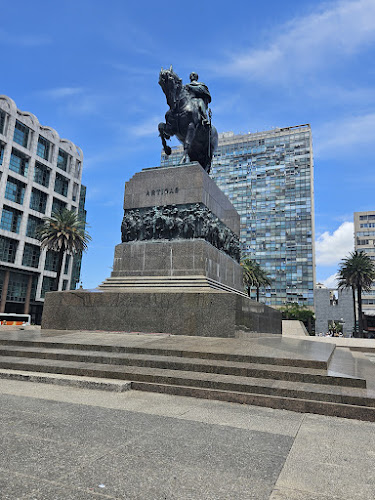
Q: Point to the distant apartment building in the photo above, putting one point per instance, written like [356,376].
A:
[364,239]
[268,177]
[40,173]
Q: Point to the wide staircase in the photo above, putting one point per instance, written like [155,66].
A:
[327,384]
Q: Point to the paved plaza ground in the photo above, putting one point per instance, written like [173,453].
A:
[62,443]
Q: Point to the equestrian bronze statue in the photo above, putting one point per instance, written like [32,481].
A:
[187,118]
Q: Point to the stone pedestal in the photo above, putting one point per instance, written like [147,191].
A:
[175,259]
[171,277]
[207,313]
[180,185]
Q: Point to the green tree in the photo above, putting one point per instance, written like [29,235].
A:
[300,313]
[358,271]
[63,232]
[254,276]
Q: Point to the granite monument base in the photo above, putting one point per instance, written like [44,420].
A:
[211,313]
[173,259]
[175,272]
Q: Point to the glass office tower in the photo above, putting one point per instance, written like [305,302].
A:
[268,176]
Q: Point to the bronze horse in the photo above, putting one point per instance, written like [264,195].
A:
[186,120]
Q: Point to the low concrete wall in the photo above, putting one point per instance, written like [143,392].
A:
[208,314]
[294,328]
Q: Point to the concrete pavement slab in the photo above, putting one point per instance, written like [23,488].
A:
[333,457]
[22,487]
[190,460]
[44,458]
[246,418]
[62,443]
[287,494]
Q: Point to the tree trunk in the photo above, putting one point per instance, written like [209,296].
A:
[309,329]
[257,293]
[59,270]
[354,311]
[360,321]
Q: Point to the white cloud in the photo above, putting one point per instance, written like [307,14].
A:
[132,70]
[77,101]
[146,128]
[330,248]
[62,92]
[331,281]
[342,94]
[305,43]
[339,136]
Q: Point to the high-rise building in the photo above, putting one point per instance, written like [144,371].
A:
[268,176]
[364,240]
[40,173]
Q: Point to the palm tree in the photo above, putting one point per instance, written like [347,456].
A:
[254,276]
[63,232]
[358,271]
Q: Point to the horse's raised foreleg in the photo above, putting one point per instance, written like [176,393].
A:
[164,136]
[188,141]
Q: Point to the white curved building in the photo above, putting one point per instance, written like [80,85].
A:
[39,173]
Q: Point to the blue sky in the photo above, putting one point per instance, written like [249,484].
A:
[90,69]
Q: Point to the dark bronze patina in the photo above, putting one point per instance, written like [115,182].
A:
[187,118]
[179,221]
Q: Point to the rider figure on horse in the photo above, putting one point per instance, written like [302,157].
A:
[199,91]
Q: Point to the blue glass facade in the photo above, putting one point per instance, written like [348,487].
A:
[268,176]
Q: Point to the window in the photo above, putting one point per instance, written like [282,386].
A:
[11,219]
[41,174]
[333,298]
[77,169]
[61,185]
[17,288]
[21,134]
[8,249]
[43,148]
[62,160]
[67,262]
[75,191]
[32,224]
[38,201]
[31,254]
[1,154]
[2,121]
[65,285]
[19,163]
[47,285]
[15,190]
[51,261]
[58,205]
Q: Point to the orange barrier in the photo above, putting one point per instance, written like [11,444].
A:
[18,323]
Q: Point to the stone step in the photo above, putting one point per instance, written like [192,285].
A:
[149,283]
[256,370]
[101,384]
[173,352]
[285,388]
[358,412]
